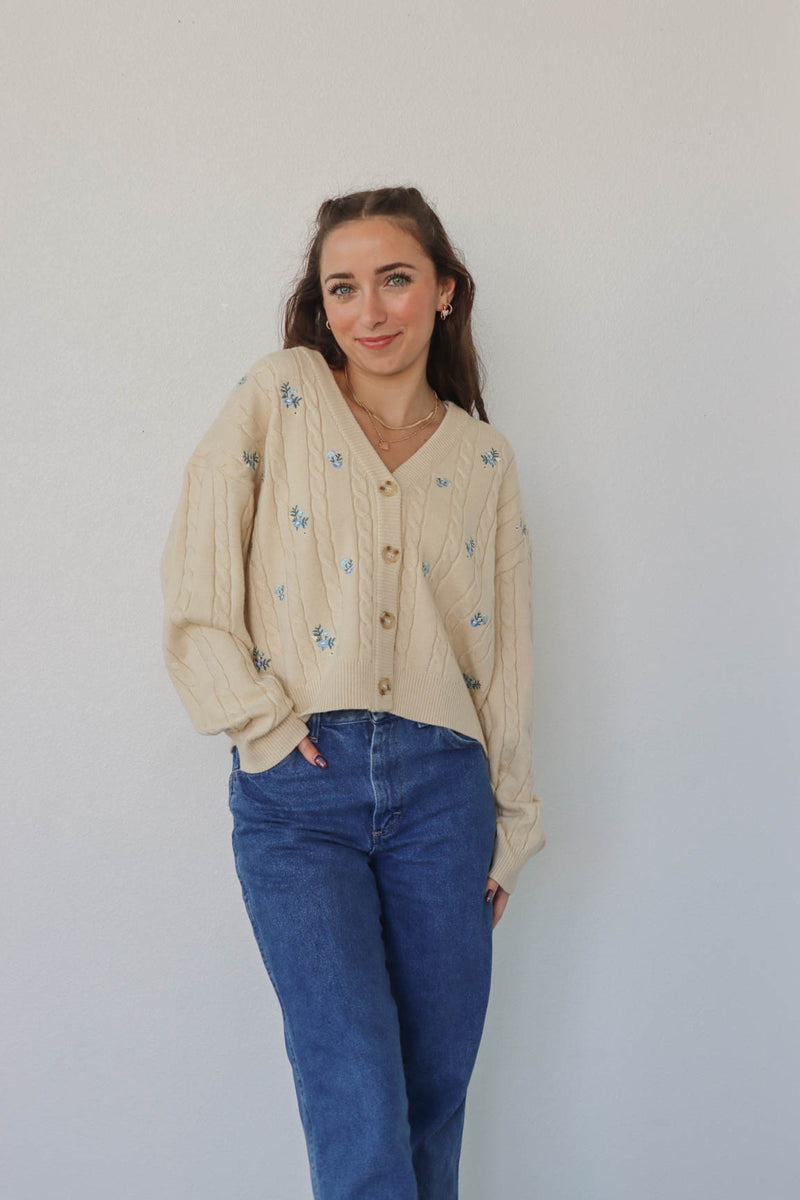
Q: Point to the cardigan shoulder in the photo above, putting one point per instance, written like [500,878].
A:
[271,367]
[246,413]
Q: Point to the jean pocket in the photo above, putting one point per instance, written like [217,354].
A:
[276,788]
[288,760]
[455,738]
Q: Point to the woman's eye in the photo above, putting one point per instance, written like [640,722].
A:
[334,290]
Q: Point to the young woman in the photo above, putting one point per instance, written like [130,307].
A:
[347,585]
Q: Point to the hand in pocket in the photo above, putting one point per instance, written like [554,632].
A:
[310,752]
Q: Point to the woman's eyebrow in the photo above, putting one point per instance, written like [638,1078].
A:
[378,271]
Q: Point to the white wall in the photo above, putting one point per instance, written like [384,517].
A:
[623,180]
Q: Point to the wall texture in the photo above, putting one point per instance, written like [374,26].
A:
[623,181]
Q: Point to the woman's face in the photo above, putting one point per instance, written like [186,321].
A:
[376,280]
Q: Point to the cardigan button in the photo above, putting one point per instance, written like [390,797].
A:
[387,620]
[388,487]
[384,686]
[390,553]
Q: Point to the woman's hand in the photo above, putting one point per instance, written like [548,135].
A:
[309,751]
[499,901]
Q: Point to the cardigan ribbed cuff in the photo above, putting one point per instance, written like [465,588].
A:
[508,863]
[264,751]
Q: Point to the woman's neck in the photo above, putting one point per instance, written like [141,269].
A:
[390,400]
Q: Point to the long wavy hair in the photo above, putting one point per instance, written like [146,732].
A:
[454,368]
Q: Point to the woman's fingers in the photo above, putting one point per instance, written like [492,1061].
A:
[310,751]
[497,897]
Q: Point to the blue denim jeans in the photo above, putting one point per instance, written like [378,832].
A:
[364,884]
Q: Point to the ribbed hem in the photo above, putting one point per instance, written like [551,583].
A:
[418,697]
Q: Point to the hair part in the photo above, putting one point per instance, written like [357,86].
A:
[454,369]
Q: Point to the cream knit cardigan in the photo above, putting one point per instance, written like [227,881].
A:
[300,575]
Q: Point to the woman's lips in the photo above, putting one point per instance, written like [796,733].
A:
[376,343]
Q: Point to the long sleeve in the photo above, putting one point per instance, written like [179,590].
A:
[208,649]
[507,712]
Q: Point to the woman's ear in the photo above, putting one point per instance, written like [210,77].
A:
[447,287]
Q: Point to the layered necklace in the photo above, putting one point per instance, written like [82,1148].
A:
[414,426]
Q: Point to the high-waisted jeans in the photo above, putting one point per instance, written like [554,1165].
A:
[364,883]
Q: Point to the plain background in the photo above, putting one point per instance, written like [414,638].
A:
[622,180]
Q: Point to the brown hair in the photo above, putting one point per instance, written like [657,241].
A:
[454,368]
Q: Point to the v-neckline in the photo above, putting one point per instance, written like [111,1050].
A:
[415,468]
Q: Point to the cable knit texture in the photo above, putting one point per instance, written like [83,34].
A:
[300,575]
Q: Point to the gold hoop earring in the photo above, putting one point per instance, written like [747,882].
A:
[328,324]
[444,313]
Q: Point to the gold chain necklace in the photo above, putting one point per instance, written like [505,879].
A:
[384,445]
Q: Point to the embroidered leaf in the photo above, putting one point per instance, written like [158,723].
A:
[299,518]
[323,638]
[260,659]
[290,396]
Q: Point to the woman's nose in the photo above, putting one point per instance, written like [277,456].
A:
[373,310]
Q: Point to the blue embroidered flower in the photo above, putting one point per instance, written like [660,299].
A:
[347,565]
[470,545]
[290,396]
[323,638]
[335,458]
[442,482]
[472,683]
[261,661]
[280,591]
[522,527]
[299,518]
[426,568]
[252,458]
[491,457]
[479,619]
[242,380]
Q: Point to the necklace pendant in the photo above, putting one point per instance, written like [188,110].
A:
[383,445]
